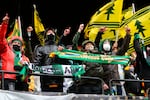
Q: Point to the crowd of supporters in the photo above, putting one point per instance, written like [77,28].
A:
[15,59]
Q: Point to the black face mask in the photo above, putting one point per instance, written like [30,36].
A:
[16,47]
[51,37]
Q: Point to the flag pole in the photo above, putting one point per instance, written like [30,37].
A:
[133,8]
[34,6]
[19,22]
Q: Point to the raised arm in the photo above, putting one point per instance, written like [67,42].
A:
[137,47]
[126,42]
[99,36]
[77,36]
[3,28]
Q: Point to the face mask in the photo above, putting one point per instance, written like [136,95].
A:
[16,47]
[51,37]
[106,47]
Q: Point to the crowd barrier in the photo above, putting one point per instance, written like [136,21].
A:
[16,95]
[131,80]
[49,75]
[76,96]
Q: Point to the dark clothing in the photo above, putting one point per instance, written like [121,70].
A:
[132,87]
[121,50]
[9,84]
[89,86]
[75,41]
[64,40]
[21,86]
[51,84]
[92,70]
[41,58]
[111,71]
[89,89]
[98,38]
[142,67]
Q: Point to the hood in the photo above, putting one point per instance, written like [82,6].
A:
[50,28]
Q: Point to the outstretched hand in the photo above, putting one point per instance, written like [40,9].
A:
[81,27]
[127,29]
[6,18]
[60,48]
[102,29]
[29,29]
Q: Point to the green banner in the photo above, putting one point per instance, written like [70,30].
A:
[90,57]
[69,70]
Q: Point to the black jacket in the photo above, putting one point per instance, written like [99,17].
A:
[142,67]
[111,71]
[41,58]
[41,54]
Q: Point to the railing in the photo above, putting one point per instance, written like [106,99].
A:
[82,77]
[128,80]
[49,75]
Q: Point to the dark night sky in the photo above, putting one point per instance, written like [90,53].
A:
[58,13]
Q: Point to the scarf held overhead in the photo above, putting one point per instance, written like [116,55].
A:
[90,57]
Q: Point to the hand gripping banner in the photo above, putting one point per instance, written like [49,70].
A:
[90,57]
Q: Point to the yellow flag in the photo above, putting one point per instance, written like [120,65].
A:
[140,23]
[38,26]
[110,16]
[87,28]
[99,12]
[127,13]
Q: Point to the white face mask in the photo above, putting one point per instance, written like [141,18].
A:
[106,47]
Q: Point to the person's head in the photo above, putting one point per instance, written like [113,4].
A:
[105,46]
[29,29]
[16,43]
[88,45]
[50,35]
[67,31]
